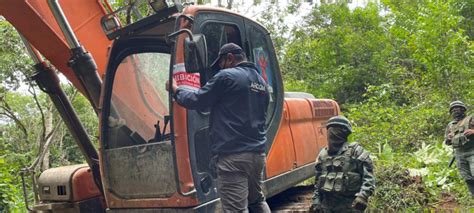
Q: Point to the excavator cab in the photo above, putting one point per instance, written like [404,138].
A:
[156,154]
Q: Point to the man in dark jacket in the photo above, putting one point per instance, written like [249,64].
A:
[238,97]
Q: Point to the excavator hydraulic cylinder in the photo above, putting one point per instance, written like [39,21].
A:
[83,64]
[48,82]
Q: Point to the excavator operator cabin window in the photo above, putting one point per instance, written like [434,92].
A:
[218,34]
[262,54]
[139,98]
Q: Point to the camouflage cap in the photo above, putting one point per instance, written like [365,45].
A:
[339,121]
[457,104]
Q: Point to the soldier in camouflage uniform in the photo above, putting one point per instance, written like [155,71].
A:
[460,134]
[344,172]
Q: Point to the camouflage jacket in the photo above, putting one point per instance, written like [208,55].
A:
[459,141]
[348,173]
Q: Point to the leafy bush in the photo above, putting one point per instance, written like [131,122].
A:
[396,190]
[406,141]
[11,195]
[406,127]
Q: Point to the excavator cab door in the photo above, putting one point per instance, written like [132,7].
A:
[218,30]
[136,164]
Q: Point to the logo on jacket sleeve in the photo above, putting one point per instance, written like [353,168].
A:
[257,87]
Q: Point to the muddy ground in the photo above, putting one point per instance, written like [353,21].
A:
[296,199]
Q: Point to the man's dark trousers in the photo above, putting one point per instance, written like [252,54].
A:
[239,175]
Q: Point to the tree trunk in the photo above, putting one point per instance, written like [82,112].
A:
[62,157]
[49,129]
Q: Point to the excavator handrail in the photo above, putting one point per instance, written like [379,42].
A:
[23,185]
[106,4]
[170,96]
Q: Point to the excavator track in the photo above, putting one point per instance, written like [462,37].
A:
[296,199]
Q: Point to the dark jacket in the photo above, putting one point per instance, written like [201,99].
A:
[239,99]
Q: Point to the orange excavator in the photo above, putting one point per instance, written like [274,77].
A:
[153,154]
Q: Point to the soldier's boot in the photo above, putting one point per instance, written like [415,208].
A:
[470,186]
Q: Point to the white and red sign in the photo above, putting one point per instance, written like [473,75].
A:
[184,79]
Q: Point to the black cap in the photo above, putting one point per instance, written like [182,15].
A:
[225,49]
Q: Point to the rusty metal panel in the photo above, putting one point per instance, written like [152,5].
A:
[55,184]
[142,171]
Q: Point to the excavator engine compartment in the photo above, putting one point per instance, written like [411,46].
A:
[68,189]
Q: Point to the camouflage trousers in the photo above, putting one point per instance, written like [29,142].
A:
[465,164]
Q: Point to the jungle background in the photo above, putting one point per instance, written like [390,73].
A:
[392,65]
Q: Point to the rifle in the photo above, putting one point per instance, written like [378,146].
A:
[452,161]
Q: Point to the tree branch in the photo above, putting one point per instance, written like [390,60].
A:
[10,114]
[44,149]
[32,91]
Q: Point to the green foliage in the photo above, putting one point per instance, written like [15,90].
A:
[274,24]
[22,121]
[14,135]
[382,119]
[13,59]
[17,148]
[338,52]
[393,68]
[466,10]
[432,47]
[18,151]
[416,181]
[406,140]
[11,199]
[396,190]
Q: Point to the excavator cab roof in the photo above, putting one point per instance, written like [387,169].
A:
[133,19]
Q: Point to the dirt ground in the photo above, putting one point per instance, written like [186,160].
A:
[296,199]
[448,203]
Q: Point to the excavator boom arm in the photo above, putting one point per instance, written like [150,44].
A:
[35,21]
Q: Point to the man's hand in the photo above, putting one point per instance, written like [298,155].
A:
[175,87]
[360,203]
[469,132]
